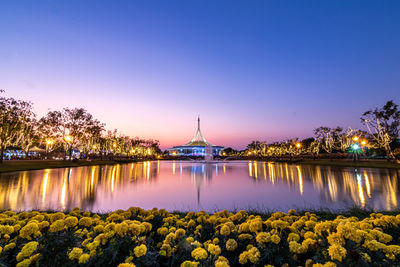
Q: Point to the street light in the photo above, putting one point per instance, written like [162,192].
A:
[298,145]
[355,138]
[68,138]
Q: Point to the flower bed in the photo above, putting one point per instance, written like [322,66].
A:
[159,238]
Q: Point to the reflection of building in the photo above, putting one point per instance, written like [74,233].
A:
[196,147]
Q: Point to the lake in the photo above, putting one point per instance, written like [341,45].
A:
[187,185]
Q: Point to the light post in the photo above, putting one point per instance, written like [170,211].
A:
[68,139]
[49,143]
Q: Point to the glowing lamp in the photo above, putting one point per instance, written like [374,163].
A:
[298,145]
[356,146]
[68,138]
[355,138]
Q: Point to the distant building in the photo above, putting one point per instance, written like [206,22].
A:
[196,147]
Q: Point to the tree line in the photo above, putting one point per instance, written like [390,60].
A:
[64,131]
[380,135]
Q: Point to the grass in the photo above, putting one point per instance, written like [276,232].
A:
[24,165]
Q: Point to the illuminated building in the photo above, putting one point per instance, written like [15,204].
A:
[196,147]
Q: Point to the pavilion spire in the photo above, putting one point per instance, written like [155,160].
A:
[198,137]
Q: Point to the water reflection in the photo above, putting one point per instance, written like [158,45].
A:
[194,186]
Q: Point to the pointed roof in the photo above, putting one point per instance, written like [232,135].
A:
[198,139]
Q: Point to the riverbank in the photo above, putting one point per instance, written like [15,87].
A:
[339,163]
[25,165]
[137,237]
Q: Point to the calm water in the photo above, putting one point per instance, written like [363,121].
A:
[196,186]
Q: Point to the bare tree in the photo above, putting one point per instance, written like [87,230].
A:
[382,124]
[14,114]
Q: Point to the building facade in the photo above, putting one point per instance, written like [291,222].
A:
[196,147]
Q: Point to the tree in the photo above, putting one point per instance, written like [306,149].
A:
[28,135]
[382,124]
[70,127]
[327,137]
[14,114]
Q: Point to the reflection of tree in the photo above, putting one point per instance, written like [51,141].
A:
[67,188]
[374,188]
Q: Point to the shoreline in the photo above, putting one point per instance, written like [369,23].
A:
[28,165]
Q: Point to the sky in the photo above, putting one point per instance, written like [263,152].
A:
[252,70]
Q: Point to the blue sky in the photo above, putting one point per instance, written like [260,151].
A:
[266,70]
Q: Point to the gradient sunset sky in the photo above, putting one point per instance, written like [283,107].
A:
[253,70]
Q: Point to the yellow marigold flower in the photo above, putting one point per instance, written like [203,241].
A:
[254,254]
[215,241]
[121,229]
[292,211]
[57,216]
[373,245]
[180,233]
[126,265]
[263,237]
[337,252]
[336,239]
[9,247]
[56,226]
[199,254]
[189,264]
[221,264]
[27,250]
[147,226]
[35,257]
[85,222]
[225,230]
[293,237]
[255,225]
[191,224]
[310,225]
[214,250]
[71,221]
[75,253]
[279,224]
[243,257]
[231,244]
[139,251]
[30,230]
[295,247]
[309,234]
[84,258]
[275,239]
[244,227]
[98,228]
[24,263]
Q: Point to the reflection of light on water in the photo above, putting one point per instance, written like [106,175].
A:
[112,179]
[250,169]
[44,187]
[173,167]
[148,170]
[224,168]
[63,193]
[360,190]
[271,172]
[255,169]
[367,185]
[300,179]
[158,167]
[265,170]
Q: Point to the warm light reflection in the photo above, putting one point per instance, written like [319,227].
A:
[300,179]
[95,186]
[360,190]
